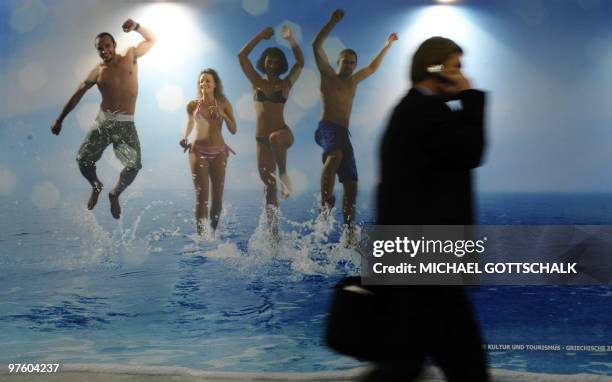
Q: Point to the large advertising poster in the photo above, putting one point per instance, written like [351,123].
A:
[183,183]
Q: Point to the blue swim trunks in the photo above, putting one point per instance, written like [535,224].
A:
[333,137]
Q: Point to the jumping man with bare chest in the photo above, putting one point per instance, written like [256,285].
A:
[117,80]
[337,93]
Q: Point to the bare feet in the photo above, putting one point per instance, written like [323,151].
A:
[200,227]
[203,229]
[350,237]
[273,217]
[93,198]
[286,188]
[114,204]
[327,204]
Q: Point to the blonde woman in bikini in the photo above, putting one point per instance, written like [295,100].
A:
[208,152]
[270,93]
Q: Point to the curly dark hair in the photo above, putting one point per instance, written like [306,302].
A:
[261,62]
[218,93]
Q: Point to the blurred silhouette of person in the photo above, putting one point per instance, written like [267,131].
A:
[337,93]
[434,139]
[117,80]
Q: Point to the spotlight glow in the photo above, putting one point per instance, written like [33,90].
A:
[170,98]
[179,37]
[439,20]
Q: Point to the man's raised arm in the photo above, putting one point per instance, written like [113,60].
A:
[74,100]
[317,44]
[370,69]
[149,38]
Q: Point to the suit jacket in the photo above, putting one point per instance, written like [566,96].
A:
[426,157]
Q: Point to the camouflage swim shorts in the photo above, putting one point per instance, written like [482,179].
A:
[106,130]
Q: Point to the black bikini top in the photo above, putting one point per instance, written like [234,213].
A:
[276,97]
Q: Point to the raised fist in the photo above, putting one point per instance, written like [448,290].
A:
[286,32]
[267,33]
[337,15]
[129,25]
[56,127]
[392,37]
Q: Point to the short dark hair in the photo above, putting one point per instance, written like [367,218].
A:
[261,63]
[106,34]
[347,50]
[432,51]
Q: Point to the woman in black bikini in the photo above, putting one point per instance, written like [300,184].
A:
[270,93]
[208,153]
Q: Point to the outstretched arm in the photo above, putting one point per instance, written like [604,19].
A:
[317,45]
[74,100]
[149,38]
[243,55]
[297,52]
[370,69]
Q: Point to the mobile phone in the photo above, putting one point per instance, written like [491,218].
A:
[436,70]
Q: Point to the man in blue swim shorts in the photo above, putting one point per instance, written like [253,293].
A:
[337,92]
[332,138]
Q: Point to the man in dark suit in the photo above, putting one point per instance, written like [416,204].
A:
[434,140]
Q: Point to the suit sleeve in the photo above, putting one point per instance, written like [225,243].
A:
[455,139]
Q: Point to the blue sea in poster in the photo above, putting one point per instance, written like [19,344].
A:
[79,287]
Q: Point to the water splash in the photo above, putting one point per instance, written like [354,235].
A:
[121,246]
[294,250]
[304,249]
